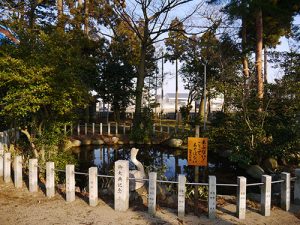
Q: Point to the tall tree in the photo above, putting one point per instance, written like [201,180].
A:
[175,44]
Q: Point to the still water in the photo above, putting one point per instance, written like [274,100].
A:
[167,162]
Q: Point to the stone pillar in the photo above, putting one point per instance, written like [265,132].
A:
[100,129]
[70,183]
[181,195]
[108,128]
[78,129]
[33,175]
[121,185]
[93,186]
[7,167]
[1,161]
[93,128]
[212,197]
[50,179]
[117,128]
[18,177]
[265,201]
[297,187]
[152,193]
[286,191]
[241,197]
[85,129]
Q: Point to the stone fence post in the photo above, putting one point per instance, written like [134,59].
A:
[265,201]
[7,167]
[50,179]
[93,186]
[18,176]
[181,195]
[152,193]
[241,197]
[1,162]
[33,175]
[286,191]
[297,187]
[70,183]
[121,185]
[212,197]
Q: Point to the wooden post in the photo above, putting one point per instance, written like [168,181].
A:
[50,179]
[121,185]
[33,175]
[124,128]
[108,128]
[70,183]
[152,193]
[212,197]
[265,201]
[181,195]
[100,128]
[93,186]
[7,167]
[18,177]
[286,191]
[241,197]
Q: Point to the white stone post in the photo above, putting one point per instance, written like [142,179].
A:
[7,167]
[121,185]
[241,197]
[50,179]
[78,129]
[100,129]
[70,183]
[181,195]
[85,129]
[265,201]
[117,128]
[18,177]
[108,128]
[93,128]
[212,197]
[93,186]
[297,187]
[33,175]
[152,193]
[1,161]
[285,191]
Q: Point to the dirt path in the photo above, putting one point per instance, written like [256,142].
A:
[19,207]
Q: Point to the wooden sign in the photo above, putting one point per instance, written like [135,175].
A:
[197,151]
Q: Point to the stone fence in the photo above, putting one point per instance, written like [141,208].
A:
[122,179]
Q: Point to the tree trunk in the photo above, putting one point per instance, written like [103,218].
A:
[60,13]
[32,145]
[139,88]
[176,92]
[245,59]
[265,65]
[201,108]
[86,17]
[258,57]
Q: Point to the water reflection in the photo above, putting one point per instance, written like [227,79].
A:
[167,162]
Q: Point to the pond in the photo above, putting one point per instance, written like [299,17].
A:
[167,162]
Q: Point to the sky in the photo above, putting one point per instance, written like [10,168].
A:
[169,84]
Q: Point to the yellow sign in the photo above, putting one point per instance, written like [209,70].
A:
[197,151]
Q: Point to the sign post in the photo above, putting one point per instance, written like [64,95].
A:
[197,151]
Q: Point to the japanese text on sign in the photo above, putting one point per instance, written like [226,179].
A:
[197,151]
